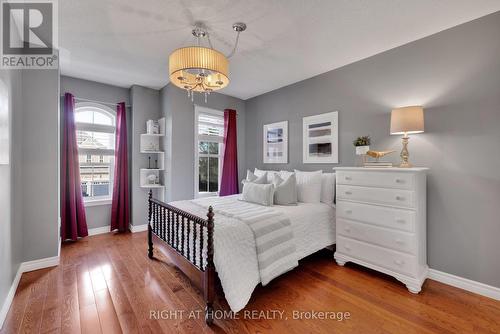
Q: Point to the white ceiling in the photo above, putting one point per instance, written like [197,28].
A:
[126,42]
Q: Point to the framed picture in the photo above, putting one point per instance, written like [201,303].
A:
[321,138]
[275,142]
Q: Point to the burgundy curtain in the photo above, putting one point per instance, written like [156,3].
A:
[120,211]
[229,179]
[73,221]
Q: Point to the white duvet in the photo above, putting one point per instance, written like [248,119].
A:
[235,255]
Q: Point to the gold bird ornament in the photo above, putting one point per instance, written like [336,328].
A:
[378,154]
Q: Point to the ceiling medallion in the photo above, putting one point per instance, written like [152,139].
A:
[201,69]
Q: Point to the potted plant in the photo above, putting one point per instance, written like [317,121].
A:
[362,145]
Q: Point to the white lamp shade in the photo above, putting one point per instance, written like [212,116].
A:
[407,120]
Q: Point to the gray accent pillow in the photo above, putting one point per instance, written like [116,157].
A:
[285,191]
[258,193]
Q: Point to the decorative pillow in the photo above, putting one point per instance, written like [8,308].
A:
[262,179]
[270,174]
[308,186]
[327,188]
[285,191]
[258,193]
[284,174]
[250,176]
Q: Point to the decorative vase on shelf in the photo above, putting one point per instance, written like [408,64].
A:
[362,146]
[151,178]
[152,127]
[362,150]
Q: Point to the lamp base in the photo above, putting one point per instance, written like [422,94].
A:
[405,155]
[405,165]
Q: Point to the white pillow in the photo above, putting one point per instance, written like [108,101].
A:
[250,176]
[284,174]
[254,179]
[262,179]
[270,174]
[308,186]
[327,188]
[258,193]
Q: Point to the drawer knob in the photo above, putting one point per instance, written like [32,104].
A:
[348,178]
[399,241]
[400,198]
[400,181]
[399,262]
[348,212]
[347,248]
[400,221]
[347,229]
[348,193]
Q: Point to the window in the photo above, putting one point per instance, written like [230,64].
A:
[95,136]
[209,132]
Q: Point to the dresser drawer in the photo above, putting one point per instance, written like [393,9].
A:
[396,197]
[396,180]
[382,257]
[392,218]
[397,240]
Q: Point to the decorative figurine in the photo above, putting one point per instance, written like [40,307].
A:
[378,154]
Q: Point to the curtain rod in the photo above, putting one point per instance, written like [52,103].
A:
[95,101]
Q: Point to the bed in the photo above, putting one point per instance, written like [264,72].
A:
[205,238]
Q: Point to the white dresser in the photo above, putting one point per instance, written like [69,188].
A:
[381,221]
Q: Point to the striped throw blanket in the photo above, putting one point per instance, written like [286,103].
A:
[275,247]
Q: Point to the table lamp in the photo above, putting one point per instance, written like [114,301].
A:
[404,121]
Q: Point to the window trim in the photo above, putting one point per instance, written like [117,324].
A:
[204,110]
[98,200]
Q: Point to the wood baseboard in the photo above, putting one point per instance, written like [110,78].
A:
[138,228]
[99,230]
[105,229]
[23,268]
[10,297]
[39,264]
[465,284]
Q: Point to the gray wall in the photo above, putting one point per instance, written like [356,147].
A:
[455,75]
[29,192]
[145,106]
[179,142]
[39,168]
[11,250]
[100,215]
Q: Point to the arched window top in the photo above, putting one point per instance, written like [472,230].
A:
[94,113]
[95,136]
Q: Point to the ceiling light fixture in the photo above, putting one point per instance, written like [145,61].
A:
[201,69]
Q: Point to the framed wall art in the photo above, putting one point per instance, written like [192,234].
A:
[321,138]
[275,140]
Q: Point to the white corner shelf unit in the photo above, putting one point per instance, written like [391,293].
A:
[152,145]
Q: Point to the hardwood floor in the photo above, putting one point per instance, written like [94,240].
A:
[106,284]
